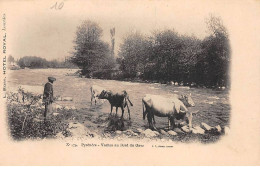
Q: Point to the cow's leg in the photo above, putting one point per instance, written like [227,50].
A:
[190,120]
[153,119]
[95,100]
[144,110]
[116,110]
[128,110]
[91,99]
[149,118]
[169,123]
[172,122]
[122,108]
[111,110]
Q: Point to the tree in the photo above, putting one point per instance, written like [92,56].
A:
[10,59]
[91,53]
[133,53]
[112,34]
[215,57]
[167,46]
[191,49]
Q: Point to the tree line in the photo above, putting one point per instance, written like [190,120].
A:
[34,62]
[165,56]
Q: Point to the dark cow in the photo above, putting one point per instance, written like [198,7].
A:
[173,108]
[117,99]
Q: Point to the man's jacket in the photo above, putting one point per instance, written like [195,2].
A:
[48,93]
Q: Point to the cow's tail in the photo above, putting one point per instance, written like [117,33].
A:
[127,97]
[129,101]
[91,94]
[125,102]
[144,112]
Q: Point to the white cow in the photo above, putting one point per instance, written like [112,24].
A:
[174,107]
[95,91]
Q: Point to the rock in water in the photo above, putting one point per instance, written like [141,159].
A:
[140,130]
[172,133]
[149,133]
[218,128]
[129,132]
[135,134]
[197,130]
[178,130]
[156,132]
[206,127]
[183,124]
[67,99]
[185,129]
[136,130]
[118,132]
[226,130]
[163,132]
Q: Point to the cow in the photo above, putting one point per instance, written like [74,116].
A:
[174,107]
[95,91]
[117,99]
[186,99]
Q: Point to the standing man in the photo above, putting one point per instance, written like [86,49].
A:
[48,96]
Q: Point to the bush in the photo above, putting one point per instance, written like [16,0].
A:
[26,125]
[25,117]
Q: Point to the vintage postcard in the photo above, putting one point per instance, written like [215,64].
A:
[130,82]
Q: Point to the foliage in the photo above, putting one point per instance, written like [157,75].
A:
[164,56]
[26,120]
[38,62]
[134,54]
[32,62]
[112,35]
[167,56]
[10,59]
[91,53]
[213,66]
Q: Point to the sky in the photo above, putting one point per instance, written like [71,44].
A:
[34,29]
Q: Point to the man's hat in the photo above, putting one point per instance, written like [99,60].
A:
[51,79]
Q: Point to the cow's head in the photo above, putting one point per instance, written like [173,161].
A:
[187,100]
[104,94]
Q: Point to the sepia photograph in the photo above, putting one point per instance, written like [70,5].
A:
[118,74]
